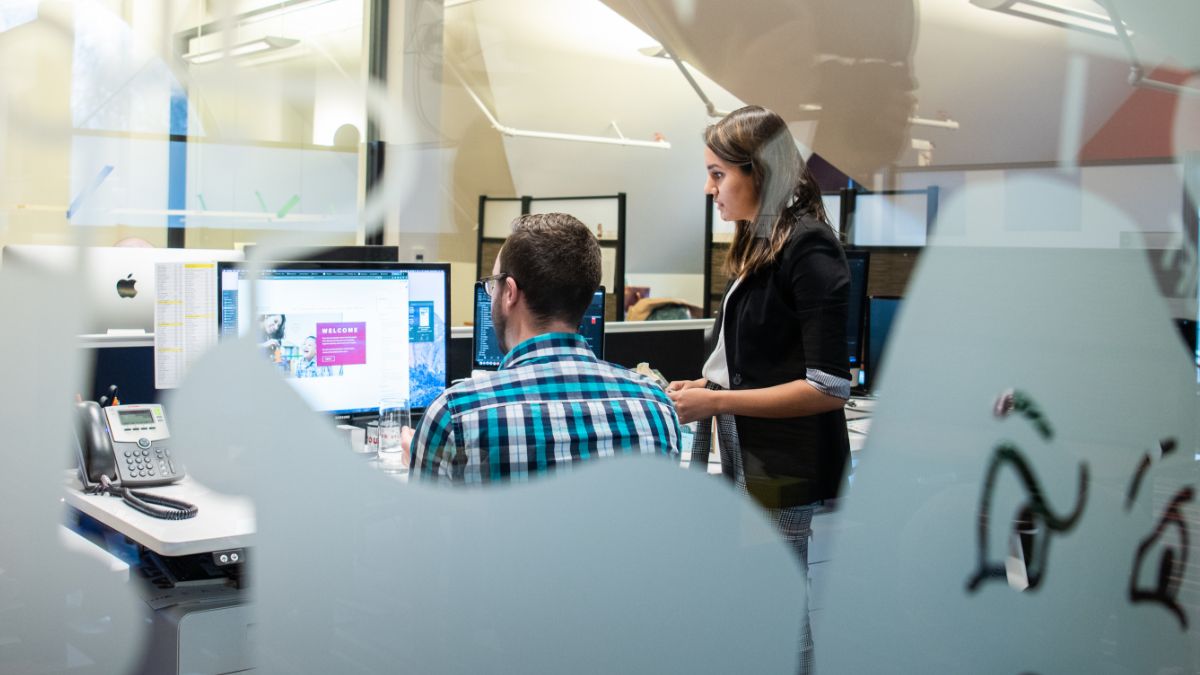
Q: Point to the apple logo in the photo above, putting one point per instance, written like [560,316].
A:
[125,287]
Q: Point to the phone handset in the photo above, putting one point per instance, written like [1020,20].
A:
[126,446]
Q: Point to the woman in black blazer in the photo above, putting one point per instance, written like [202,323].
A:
[778,373]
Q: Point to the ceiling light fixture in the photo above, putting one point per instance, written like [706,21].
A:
[660,52]
[1137,73]
[1054,15]
[810,111]
[1108,24]
[659,142]
[256,46]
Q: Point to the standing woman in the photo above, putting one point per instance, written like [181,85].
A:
[778,375]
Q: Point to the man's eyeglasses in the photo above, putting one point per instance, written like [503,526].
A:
[489,283]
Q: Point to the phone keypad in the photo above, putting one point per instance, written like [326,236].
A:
[142,463]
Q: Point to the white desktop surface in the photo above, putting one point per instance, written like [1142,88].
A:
[222,522]
[75,542]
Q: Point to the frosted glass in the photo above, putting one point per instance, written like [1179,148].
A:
[60,610]
[623,565]
[920,583]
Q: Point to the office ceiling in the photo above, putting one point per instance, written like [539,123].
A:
[1006,80]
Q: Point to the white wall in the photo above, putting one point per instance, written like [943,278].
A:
[596,76]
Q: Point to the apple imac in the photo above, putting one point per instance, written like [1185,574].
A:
[119,286]
[859,263]
[486,352]
[345,335]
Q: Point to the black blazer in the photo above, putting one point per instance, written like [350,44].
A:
[781,321]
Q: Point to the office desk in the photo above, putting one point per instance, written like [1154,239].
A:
[201,626]
[222,522]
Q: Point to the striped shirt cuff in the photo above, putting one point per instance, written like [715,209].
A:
[830,385]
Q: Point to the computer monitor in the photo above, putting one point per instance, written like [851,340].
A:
[120,284]
[486,352]
[351,334]
[1188,331]
[899,218]
[856,303]
[833,209]
[881,314]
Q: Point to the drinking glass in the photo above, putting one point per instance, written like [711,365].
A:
[394,415]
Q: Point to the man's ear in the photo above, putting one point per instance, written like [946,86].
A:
[511,291]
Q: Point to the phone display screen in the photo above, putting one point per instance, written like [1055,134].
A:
[135,417]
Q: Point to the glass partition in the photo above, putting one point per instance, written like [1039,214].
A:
[1019,497]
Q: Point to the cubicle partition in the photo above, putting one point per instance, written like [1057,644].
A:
[603,214]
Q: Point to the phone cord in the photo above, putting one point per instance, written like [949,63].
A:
[176,509]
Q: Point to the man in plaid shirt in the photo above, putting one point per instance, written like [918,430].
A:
[552,402]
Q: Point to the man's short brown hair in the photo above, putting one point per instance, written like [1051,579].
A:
[555,260]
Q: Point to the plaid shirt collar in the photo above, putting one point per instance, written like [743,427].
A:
[548,347]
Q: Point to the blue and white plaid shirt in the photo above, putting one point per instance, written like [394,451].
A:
[551,403]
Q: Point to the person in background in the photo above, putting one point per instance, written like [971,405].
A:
[777,377]
[552,403]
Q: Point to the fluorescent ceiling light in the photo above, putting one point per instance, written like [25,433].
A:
[263,44]
[808,111]
[1054,14]
[655,52]
[278,9]
[659,142]
[1109,24]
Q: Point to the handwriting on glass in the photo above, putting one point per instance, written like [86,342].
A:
[1036,523]
[1172,561]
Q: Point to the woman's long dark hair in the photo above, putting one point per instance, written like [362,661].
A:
[759,143]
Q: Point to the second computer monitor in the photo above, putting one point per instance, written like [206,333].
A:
[486,352]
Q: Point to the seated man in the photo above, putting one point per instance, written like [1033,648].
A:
[552,402]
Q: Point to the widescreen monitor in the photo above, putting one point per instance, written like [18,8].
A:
[486,352]
[346,335]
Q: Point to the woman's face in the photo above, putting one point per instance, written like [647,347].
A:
[271,323]
[731,188]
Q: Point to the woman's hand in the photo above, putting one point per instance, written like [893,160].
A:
[680,385]
[694,402]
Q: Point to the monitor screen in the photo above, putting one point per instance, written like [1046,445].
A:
[900,218]
[487,352]
[1188,331]
[591,326]
[833,209]
[880,317]
[859,263]
[346,335]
